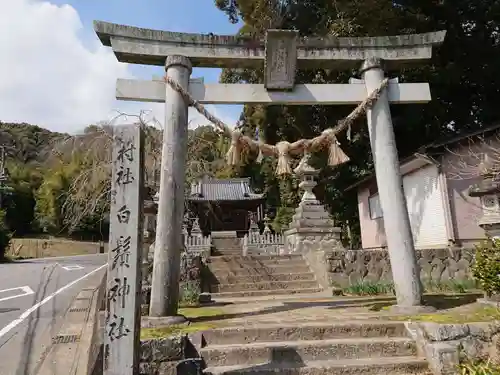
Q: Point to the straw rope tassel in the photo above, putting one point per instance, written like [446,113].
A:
[233,155]
[283,166]
[336,155]
[260,157]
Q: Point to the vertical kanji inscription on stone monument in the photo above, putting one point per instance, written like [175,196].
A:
[121,338]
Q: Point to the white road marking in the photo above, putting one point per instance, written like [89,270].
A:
[72,267]
[25,289]
[35,307]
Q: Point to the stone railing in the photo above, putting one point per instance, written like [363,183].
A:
[266,243]
[198,244]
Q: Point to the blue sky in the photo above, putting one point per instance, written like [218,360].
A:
[56,74]
[195,16]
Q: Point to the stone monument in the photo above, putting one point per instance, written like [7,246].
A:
[122,330]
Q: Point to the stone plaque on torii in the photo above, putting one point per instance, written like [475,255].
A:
[281,53]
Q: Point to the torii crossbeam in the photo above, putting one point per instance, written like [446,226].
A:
[308,94]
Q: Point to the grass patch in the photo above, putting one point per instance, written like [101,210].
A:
[453,286]
[190,293]
[174,330]
[477,314]
[479,367]
[201,312]
[366,288]
[191,313]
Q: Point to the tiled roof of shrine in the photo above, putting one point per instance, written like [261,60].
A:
[231,189]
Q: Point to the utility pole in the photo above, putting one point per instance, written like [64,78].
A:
[3,174]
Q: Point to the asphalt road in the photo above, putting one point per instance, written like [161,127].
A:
[34,296]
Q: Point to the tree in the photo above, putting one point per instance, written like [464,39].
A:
[5,236]
[461,75]
[20,202]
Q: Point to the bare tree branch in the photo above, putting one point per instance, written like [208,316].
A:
[90,156]
[468,162]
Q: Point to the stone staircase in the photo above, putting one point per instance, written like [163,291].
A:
[260,275]
[313,349]
[226,243]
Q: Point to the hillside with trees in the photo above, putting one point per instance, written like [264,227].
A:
[59,184]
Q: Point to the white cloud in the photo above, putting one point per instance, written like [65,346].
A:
[49,77]
[155,113]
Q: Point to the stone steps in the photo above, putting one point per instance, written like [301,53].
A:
[265,285]
[255,278]
[255,271]
[260,293]
[240,263]
[226,243]
[250,276]
[368,366]
[343,348]
[255,257]
[318,350]
[235,252]
[309,331]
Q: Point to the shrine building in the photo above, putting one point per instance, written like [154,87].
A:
[225,205]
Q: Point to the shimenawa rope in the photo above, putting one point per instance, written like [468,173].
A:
[285,150]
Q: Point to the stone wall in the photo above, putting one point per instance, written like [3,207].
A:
[445,345]
[169,356]
[191,274]
[192,266]
[347,267]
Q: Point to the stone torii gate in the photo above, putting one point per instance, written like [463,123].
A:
[281,53]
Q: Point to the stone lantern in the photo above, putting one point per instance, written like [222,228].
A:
[150,212]
[312,233]
[254,227]
[267,224]
[488,190]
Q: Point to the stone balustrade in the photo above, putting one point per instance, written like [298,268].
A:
[198,244]
[266,243]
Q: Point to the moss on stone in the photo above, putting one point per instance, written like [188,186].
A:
[478,313]
[192,313]
[201,312]
[174,330]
